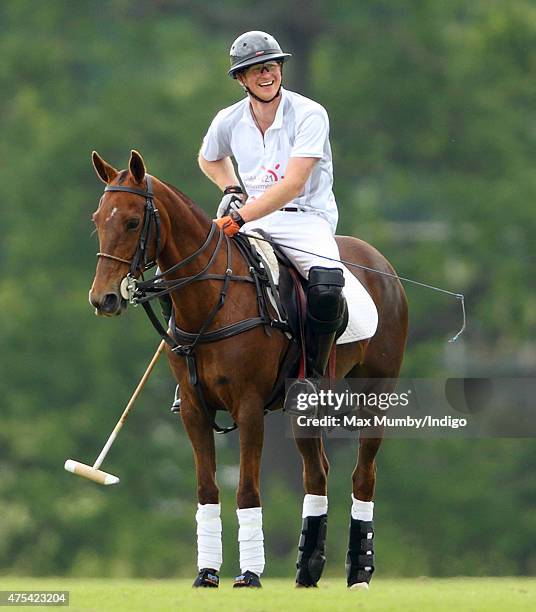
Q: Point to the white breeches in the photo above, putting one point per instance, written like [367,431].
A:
[304,231]
[313,233]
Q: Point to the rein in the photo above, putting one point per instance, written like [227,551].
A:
[458,296]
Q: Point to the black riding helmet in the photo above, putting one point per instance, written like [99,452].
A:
[254,48]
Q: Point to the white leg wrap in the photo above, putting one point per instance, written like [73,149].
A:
[362,510]
[209,550]
[251,540]
[314,505]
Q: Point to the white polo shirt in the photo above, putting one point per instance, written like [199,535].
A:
[300,129]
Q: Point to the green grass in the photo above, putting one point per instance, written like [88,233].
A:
[424,594]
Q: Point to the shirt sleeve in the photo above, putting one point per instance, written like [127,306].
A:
[311,136]
[216,143]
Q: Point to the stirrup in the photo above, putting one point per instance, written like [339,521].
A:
[176,406]
[303,387]
[207,578]
[247,579]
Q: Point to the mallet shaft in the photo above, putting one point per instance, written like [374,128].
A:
[123,417]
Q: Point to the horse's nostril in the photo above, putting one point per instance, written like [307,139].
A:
[110,303]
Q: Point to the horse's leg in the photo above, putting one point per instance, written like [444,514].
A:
[311,548]
[250,420]
[209,545]
[360,556]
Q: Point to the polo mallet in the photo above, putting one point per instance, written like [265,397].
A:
[93,472]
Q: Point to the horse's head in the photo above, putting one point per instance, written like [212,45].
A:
[127,228]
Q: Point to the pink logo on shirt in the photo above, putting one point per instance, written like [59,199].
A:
[271,175]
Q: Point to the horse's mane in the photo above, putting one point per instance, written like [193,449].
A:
[188,201]
[195,208]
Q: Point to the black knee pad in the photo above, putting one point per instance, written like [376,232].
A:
[324,293]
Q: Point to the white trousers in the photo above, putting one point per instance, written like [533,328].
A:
[313,233]
[304,231]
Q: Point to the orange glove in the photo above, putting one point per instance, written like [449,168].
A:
[229,226]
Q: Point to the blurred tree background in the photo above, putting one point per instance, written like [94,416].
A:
[434,139]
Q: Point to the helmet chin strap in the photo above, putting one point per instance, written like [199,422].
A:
[260,99]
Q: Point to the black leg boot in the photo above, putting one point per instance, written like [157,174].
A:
[360,556]
[311,550]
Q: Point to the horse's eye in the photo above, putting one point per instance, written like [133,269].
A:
[132,224]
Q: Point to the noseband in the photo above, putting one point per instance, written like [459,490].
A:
[140,260]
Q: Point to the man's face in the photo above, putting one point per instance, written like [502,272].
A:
[263,80]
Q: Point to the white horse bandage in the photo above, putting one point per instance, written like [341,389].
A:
[314,505]
[251,540]
[362,510]
[209,549]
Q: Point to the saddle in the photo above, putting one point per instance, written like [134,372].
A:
[287,300]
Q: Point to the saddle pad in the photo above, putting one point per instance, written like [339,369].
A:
[266,251]
[269,260]
[362,312]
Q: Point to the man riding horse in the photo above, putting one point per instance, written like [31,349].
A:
[280,142]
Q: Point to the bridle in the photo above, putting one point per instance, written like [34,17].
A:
[136,291]
[140,260]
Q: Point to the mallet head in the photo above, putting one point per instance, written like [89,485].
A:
[86,471]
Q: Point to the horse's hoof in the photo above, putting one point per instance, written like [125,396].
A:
[359,586]
[247,579]
[207,578]
[299,585]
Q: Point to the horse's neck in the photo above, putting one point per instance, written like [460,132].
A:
[187,230]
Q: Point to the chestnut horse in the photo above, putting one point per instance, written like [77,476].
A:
[233,376]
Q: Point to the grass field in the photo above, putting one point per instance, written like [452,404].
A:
[424,594]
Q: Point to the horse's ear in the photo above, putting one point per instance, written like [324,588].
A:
[136,166]
[104,171]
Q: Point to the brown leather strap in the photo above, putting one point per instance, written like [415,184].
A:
[332,363]
[301,304]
